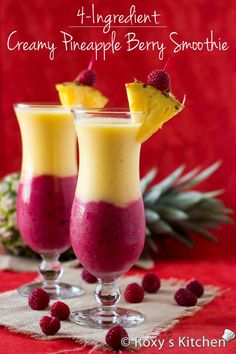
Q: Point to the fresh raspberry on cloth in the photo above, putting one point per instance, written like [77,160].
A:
[185,297]
[49,325]
[60,310]
[151,283]
[38,299]
[114,337]
[134,293]
[196,287]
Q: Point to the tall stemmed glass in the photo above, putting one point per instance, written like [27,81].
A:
[46,190]
[107,220]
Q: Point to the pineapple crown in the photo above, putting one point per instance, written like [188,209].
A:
[175,210]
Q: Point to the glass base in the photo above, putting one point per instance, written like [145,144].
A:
[96,318]
[58,291]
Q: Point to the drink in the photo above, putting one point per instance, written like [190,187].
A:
[107,221]
[46,191]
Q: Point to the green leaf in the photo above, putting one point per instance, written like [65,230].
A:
[151,216]
[170,213]
[188,176]
[147,179]
[161,227]
[203,175]
[183,200]
[154,193]
[152,244]
[148,232]
[200,231]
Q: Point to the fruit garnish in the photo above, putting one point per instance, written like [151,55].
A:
[196,287]
[159,79]
[81,92]
[86,77]
[60,310]
[38,299]
[49,325]
[155,106]
[151,283]
[114,337]
[134,293]
[185,297]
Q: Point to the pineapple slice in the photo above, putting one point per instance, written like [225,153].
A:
[157,107]
[71,94]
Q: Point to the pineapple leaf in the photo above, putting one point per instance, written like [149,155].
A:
[170,213]
[154,193]
[189,199]
[183,200]
[188,176]
[161,227]
[203,175]
[151,216]
[147,179]
[152,244]
[200,231]
[184,240]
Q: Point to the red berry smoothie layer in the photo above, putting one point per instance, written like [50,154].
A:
[43,212]
[107,239]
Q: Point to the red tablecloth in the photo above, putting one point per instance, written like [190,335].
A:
[210,321]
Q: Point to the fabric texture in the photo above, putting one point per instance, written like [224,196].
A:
[160,311]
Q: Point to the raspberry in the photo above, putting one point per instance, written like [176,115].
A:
[196,287]
[38,299]
[151,283]
[134,293]
[60,310]
[49,325]
[185,297]
[159,79]
[114,337]
[86,77]
[89,278]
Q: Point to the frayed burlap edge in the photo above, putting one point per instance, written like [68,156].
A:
[157,330]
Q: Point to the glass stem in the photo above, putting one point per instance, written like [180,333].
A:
[107,294]
[50,270]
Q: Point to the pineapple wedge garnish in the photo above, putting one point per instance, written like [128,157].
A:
[155,107]
[71,94]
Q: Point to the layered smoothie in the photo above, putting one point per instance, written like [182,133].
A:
[48,178]
[107,220]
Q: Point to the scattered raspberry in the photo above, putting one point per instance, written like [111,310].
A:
[86,77]
[159,79]
[60,310]
[114,337]
[49,325]
[134,293]
[185,297]
[196,287]
[38,299]
[151,283]
[89,278]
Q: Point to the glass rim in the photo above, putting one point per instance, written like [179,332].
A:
[40,105]
[73,108]
[104,113]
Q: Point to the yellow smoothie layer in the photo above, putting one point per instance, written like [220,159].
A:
[109,160]
[49,142]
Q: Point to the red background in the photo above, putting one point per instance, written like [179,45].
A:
[204,132]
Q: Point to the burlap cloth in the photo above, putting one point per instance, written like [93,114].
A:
[160,310]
